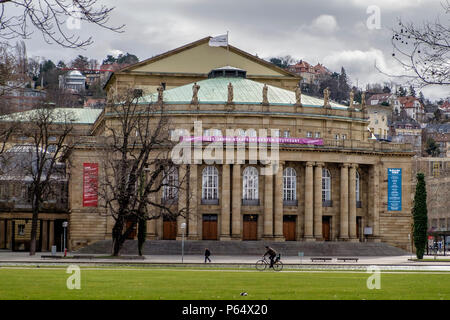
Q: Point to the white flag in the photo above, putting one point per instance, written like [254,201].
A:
[219,41]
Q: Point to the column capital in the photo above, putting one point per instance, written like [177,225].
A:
[310,163]
[320,164]
[354,165]
[344,165]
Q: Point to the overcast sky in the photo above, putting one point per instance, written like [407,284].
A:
[332,32]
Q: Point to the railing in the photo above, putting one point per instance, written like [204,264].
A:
[250,202]
[290,203]
[210,201]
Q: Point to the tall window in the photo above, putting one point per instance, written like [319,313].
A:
[170,184]
[326,185]
[357,186]
[250,184]
[210,183]
[289,184]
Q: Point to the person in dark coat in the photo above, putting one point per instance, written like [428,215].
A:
[272,254]
[207,254]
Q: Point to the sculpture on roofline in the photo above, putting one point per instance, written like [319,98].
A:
[326,97]
[160,93]
[298,95]
[352,98]
[230,93]
[195,89]
[264,92]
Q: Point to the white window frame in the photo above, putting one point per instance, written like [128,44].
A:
[170,184]
[289,184]
[326,185]
[250,184]
[210,183]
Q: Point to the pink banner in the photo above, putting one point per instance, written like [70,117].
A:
[90,184]
[316,142]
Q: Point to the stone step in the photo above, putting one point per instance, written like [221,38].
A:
[288,248]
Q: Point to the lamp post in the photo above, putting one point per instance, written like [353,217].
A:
[65,224]
[183,227]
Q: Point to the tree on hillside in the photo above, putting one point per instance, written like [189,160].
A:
[432,148]
[283,62]
[343,86]
[80,63]
[424,50]
[137,167]
[58,21]
[412,91]
[420,216]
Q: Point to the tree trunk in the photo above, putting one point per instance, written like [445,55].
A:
[142,234]
[34,221]
[117,237]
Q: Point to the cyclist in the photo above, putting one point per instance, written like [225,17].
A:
[272,254]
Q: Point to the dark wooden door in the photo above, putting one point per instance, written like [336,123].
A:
[250,227]
[209,227]
[326,228]
[289,228]
[169,230]
[132,234]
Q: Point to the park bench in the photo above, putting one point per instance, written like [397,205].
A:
[345,259]
[320,259]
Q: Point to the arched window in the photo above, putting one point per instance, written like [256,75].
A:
[289,184]
[250,184]
[357,187]
[210,183]
[326,187]
[170,184]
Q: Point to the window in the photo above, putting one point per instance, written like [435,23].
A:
[21,229]
[309,134]
[276,133]
[250,184]
[251,133]
[357,187]
[344,136]
[326,187]
[317,135]
[170,184]
[210,183]
[212,133]
[289,184]
[286,134]
[336,136]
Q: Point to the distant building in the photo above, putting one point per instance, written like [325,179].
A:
[20,99]
[73,81]
[413,107]
[311,75]
[440,133]
[407,130]
[379,120]
[384,99]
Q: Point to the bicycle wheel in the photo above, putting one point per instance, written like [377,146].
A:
[261,265]
[278,266]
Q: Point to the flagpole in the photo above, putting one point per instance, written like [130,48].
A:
[228,51]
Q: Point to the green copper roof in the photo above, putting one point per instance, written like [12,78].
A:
[245,91]
[76,115]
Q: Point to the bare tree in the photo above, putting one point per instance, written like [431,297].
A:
[424,51]
[54,19]
[137,168]
[40,158]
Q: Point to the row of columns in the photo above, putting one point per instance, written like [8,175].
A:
[231,198]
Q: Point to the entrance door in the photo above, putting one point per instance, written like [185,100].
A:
[210,227]
[250,227]
[169,229]
[133,232]
[326,228]
[289,228]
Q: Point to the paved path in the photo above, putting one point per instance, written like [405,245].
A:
[386,263]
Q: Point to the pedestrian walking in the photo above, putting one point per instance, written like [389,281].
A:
[207,254]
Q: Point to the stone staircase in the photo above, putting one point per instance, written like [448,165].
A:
[254,248]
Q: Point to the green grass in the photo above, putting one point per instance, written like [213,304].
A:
[180,284]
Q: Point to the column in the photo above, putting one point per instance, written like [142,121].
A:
[278,204]
[309,212]
[193,202]
[182,201]
[318,201]
[236,203]
[373,198]
[2,233]
[51,234]
[352,203]
[44,235]
[268,203]
[225,211]
[343,234]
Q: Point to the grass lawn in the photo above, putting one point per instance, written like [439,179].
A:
[194,284]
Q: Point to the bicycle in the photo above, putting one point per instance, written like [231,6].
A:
[264,263]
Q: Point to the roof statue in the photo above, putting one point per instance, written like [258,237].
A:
[264,92]
[195,89]
[326,97]
[298,95]
[160,93]
[230,93]
[352,98]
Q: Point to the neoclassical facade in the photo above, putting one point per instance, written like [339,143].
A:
[328,181]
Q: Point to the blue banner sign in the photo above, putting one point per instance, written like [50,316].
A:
[394,189]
